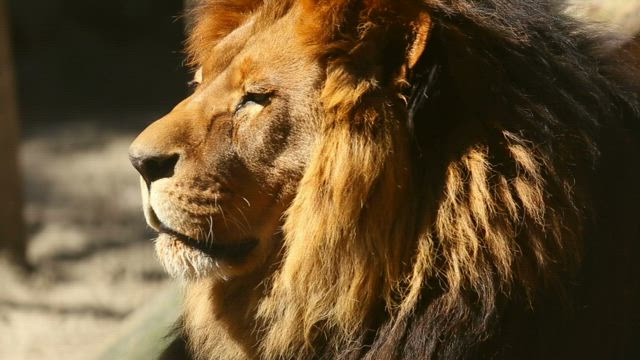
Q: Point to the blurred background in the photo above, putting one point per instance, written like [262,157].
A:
[78,80]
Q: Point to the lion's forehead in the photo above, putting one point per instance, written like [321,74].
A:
[259,39]
[227,48]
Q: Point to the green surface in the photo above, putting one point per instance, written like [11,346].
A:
[144,334]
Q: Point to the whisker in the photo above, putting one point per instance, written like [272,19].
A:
[245,200]
[224,219]
[211,234]
[244,217]
[238,224]
[199,234]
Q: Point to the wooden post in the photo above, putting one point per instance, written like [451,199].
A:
[12,236]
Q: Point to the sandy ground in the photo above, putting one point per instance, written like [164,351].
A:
[92,252]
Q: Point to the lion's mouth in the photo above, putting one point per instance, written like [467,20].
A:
[216,250]
[230,252]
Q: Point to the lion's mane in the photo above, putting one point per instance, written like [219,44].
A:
[477,204]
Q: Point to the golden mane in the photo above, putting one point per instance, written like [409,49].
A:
[216,19]
[445,185]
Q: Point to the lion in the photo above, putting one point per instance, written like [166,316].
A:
[399,179]
[632,49]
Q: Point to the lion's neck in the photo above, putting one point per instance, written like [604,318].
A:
[219,317]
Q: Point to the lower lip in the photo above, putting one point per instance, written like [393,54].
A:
[224,251]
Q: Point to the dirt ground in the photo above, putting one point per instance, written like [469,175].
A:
[93,255]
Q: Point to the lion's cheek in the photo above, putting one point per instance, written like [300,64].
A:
[171,212]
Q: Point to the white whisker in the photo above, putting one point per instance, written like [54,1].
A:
[211,235]
[247,201]
[244,217]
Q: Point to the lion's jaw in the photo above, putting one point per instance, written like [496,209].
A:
[220,169]
[183,256]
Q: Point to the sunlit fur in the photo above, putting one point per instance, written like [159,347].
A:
[472,204]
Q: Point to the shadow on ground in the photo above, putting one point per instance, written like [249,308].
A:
[92,252]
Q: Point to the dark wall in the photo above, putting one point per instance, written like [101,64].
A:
[89,56]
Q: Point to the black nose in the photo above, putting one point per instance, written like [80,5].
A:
[154,167]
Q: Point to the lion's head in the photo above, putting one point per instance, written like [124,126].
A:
[375,179]
[223,166]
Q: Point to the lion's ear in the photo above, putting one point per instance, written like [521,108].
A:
[377,35]
[420,32]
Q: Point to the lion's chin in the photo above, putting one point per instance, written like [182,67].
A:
[185,262]
[187,259]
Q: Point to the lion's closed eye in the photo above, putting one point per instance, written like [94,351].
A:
[261,99]
[196,81]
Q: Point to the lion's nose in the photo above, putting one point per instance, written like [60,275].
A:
[152,166]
